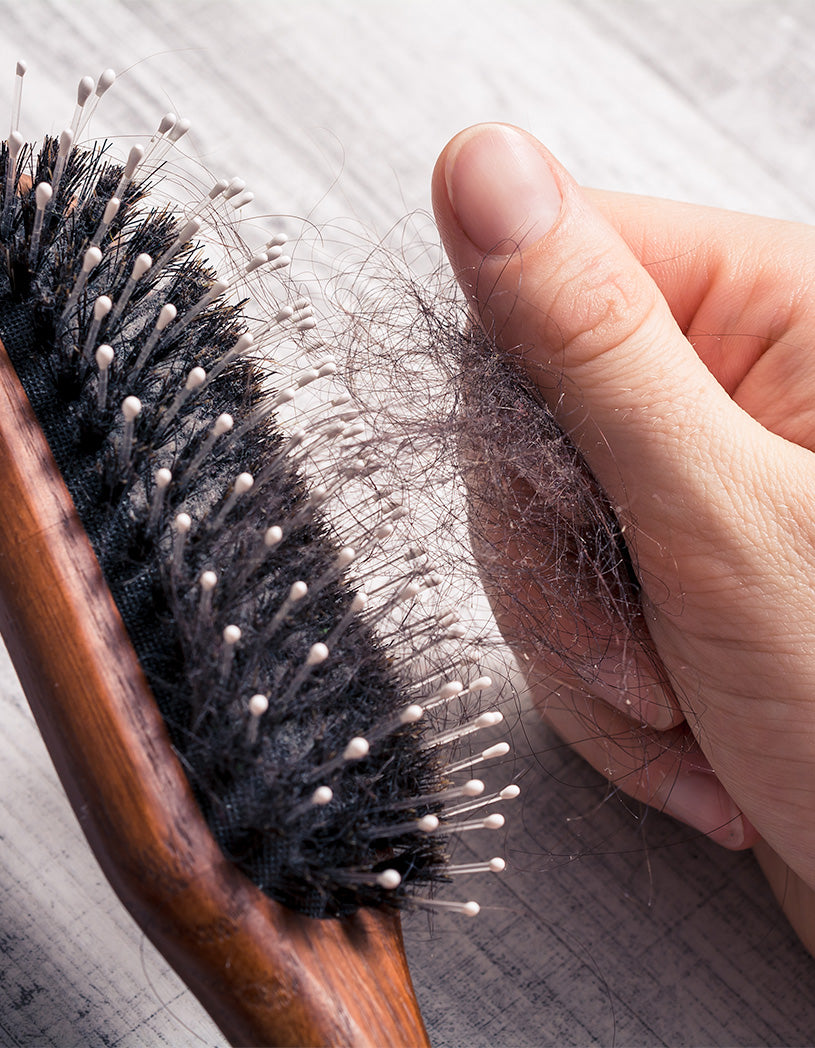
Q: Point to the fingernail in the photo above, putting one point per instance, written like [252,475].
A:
[699,799]
[501,188]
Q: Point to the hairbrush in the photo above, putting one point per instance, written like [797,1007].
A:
[267,761]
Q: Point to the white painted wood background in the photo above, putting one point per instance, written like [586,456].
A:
[608,929]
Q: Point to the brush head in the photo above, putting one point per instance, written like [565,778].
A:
[162,428]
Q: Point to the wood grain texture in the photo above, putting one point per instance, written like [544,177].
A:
[267,976]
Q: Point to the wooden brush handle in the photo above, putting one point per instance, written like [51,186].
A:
[266,975]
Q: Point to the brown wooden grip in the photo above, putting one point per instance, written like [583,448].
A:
[266,975]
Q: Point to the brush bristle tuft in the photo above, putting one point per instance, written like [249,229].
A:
[234,591]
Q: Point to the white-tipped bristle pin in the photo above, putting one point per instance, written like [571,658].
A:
[317,653]
[166,315]
[108,215]
[105,82]
[104,358]
[134,158]
[131,409]
[465,909]
[180,129]
[345,557]
[236,185]
[84,91]
[182,524]
[322,795]
[196,378]
[91,259]
[389,879]
[446,692]
[243,483]
[18,96]
[42,198]
[221,426]
[163,479]
[101,307]
[489,822]
[185,235]
[66,139]
[258,705]
[242,200]
[272,536]
[305,377]
[141,266]
[15,144]
[239,349]
[494,865]
[500,749]
[207,582]
[167,123]
[357,749]
[484,720]
[428,824]
[411,714]
[111,210]
[231,636]
[360,602]
[277,240]
[297,592]
[255,263]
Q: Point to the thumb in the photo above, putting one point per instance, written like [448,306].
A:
[549,276]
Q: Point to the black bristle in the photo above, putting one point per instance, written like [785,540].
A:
[253,787]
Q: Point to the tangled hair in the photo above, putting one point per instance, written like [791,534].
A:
[483,446]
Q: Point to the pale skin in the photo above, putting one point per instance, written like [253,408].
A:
[676,344]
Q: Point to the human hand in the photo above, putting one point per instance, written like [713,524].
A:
[675,344]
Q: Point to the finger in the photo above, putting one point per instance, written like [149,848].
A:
[666,770]
[557,283]
[688,249]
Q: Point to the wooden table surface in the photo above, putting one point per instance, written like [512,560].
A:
[609,928]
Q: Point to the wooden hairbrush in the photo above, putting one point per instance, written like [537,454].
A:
[258,777]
